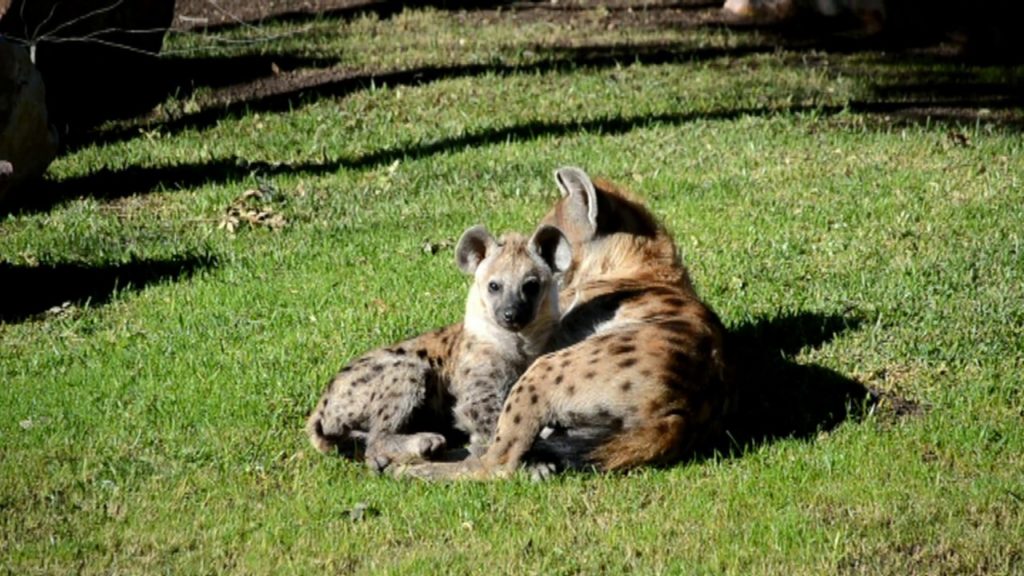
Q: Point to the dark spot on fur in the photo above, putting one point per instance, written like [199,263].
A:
[625,386]
[531,388]
[466,371]
[622,349]
[676,326]
[548,368]
[413,380]
[508,407]
[385,418]
[421,353]
[377,367]
[504,449]
[589,375]
[345,369]
[533,399]
[627,362]
[516,419]
[400,351]
[679,340]
[519,390]
[558,379]
[473,413]
[380,411]
[645,373]
[571,390]
[566,362]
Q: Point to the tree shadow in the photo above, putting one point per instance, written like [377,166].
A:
[298,13]
[919,89]
[110,184]
[32,290]
[286,92]
[779,398]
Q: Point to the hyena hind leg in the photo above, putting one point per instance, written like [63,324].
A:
[389,449]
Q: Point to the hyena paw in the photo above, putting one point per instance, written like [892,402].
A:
[400,449]
[428,444]
[540,471]
[438,471]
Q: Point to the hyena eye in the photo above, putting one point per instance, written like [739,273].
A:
[531,287]
[493,287]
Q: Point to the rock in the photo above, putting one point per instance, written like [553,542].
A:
[869,12]
[28,143]
[97,57]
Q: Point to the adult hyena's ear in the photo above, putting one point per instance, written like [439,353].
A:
[579,202]
[473,248]
[553,247]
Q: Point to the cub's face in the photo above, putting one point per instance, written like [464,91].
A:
[513,284]
[514,277]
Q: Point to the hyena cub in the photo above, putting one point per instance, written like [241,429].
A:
[400,399]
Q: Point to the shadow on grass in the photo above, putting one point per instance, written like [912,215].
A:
[779,398]
[288,92]
[32,290]
[262,84]
[258,13]
[111,184]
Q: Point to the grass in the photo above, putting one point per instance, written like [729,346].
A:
[154,423]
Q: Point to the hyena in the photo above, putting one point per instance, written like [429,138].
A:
[401,399]
[638,373]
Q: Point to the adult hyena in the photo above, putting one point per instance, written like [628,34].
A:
[639,376]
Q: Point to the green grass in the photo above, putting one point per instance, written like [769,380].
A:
[158,426]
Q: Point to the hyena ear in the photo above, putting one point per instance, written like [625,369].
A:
[553,247]
[473,248]
[580,200]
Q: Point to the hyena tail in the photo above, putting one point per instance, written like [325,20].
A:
[336,441]
[659,442]
[315,429]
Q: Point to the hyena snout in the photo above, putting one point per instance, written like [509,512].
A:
[514,315]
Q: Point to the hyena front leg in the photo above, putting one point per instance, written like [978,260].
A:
[521,420]
[480,390]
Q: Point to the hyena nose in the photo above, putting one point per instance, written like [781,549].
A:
[509,315]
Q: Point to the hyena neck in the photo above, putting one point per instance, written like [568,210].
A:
[514,347]
[618,261]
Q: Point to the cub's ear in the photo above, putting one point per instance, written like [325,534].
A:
[579,200]
[553,247]
[473,248]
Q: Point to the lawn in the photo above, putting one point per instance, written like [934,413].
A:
[187,282]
